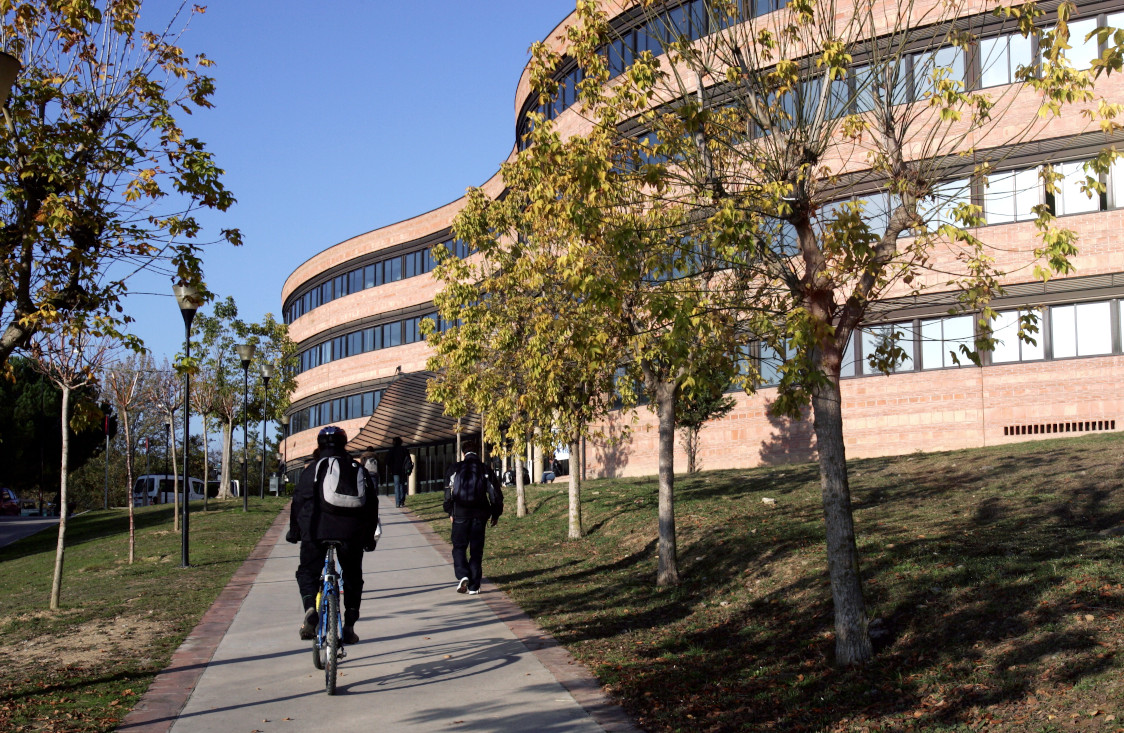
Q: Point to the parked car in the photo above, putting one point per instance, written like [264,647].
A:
[9,503]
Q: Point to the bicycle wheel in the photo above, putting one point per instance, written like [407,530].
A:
[331,643]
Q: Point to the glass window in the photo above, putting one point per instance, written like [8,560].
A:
[938,209]
[368,339]
[1069,198]
[355,281]
[354,406]
[941,337]
[369,276]
[1011,196]
[1008,346]
[391,334]
[1082,53]
[848,366]
[945,63]
[368,403]
[393,269]
[886,336]
[355,343]
[1084,329]
[1000,59]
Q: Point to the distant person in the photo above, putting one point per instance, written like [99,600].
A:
[399,465]
[472,498]
[334,500]
[371,463]
[556,467]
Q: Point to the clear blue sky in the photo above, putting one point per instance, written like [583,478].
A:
[335,118]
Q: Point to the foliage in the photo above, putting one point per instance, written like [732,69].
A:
[695,410]
[99,179]
[997,591]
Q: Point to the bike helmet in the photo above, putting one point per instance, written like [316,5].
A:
[331,436]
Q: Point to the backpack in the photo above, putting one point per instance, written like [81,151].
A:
[407,466]
[470,485]
[342,487]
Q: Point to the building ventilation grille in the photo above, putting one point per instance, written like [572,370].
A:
[1060,427]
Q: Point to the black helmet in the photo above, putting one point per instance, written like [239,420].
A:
[331,436]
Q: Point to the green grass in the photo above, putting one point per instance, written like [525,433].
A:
[82,668]
[998,601]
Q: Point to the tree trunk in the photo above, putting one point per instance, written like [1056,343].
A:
[575,503]
[520,489]
[667,572]
[852,640]
[129,486]
[691,448]
[175,480]
[206,461]
[60,549]
[224,470]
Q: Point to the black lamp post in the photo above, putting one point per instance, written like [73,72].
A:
[245,353]
[266,373]
[188,298]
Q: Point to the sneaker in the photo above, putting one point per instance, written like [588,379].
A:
[462,585]
[308,628]
[474,592]
[349,635]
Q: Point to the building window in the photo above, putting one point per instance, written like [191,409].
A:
[886,337]
[944,63]
[1011,196]
[1000,59]
[1084,329]
[1082,52]
[1068,196]
[1008,346]
[943,337]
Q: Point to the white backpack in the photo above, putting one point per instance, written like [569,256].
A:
[342,485]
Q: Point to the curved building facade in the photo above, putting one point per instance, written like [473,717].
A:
[353,309]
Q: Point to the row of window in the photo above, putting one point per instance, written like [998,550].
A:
[342,408]
[1064,331]
[997,62]
[370,276]
[373,338]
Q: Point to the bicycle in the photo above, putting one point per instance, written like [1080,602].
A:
[327,651]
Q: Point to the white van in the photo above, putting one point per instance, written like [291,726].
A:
[159,488]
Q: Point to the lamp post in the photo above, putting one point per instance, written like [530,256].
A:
[187,296]
[285,455]
[245,353]
[266,373]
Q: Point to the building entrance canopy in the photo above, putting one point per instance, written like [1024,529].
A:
[404,412]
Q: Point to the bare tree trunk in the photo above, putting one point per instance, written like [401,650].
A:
[129,486]
[576,530]
[224,471]
[852,639]
[667,572]
[690,444]
[520,489]
[206,461]
[175,479]
[60,549]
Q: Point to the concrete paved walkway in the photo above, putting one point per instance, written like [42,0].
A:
[429,659]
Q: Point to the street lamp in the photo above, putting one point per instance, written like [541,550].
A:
[245,353]
[187,296]
[266,373]
[9,68]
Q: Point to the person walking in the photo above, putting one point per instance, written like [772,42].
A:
[335,500]
[368,460]
[398,465]
[472,499]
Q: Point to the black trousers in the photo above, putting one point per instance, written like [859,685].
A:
[468,534]
[350,556]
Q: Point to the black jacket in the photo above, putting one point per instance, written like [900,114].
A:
[483,508]
[396,461]
[309,523]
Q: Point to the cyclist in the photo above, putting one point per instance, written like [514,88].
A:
[314,521]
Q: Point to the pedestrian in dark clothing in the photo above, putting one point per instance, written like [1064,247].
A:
[396,465]
[470,520]
[314,520]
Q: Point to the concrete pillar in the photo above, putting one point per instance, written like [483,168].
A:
[412,481]
[536,467]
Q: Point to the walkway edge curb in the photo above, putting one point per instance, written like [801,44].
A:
[570,673]
[166,696]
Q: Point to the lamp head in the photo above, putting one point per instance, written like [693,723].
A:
[9,69]
[189,300]
[245,353]
[266,371]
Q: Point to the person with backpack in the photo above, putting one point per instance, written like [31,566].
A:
[472,498]
[399,466]
[335,499]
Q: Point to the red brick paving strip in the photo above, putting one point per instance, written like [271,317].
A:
[570,673]
[161,704]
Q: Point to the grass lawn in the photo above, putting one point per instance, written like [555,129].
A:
[85,666]
[996,592]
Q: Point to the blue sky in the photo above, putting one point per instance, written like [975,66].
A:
[337,120]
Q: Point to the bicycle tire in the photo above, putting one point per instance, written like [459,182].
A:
[317,656]
[331,643]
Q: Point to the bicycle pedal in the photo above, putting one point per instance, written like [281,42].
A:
[342,653]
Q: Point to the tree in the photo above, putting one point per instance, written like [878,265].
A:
[125,384]
[70,357]
[99,179]
[748,139]
[165,393]
[695,410]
